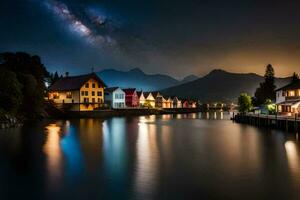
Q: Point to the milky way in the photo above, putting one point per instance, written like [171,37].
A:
[90,32]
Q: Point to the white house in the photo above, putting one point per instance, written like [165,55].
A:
[288,99]
[115,97]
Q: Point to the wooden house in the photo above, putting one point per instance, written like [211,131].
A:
[141,97]
[288,99]
[131,97]
[158,99]
[149,99]
[176,102]
[115,97]
[78,93]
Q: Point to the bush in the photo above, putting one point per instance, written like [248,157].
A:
[245,103]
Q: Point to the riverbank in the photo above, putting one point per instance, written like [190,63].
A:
[270,121]
[128,112]
[7,121]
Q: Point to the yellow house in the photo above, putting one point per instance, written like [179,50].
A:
[78,93]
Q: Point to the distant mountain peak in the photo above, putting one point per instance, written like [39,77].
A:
[189,78]
[218,71]
[136,70]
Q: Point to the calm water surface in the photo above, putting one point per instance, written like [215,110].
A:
[194,156]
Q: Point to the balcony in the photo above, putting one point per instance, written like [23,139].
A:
[292,98]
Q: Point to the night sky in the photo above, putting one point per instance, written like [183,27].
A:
[171,37]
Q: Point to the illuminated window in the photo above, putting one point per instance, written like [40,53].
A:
[69,95]
[55,95]
[86,85]
[291,93]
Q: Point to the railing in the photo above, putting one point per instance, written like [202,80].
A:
[275,117]
[293,98]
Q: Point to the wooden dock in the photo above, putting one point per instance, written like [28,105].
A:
[272,121]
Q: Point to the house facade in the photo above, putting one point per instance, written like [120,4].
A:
[176,102]
[167,102]
[78,93]
[142,98]
[158,99]
[131,97]
[288,99]
[149,99]
[115,97]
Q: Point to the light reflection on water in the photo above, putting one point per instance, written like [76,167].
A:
[183,156]
[52,149]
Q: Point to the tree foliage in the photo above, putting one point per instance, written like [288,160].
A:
[26,76]
[244,103]
[10,92]
[295,77]
[266,89]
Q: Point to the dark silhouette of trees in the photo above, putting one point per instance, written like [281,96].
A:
[295,77]
[53,78]
[30,76]
[10,92]
[266,90]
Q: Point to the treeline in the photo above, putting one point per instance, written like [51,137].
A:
[22,84]
[265,94]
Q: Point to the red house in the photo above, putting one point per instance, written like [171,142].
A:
[131,97]
[185,104]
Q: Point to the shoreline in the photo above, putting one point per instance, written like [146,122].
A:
[289,124]
[128,112]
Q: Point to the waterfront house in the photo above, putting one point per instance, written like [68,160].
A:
[193,104]
[185,104]
[149,99]
[288,99]
[141,97]
[158,99]
[189,104]
[131,97]
[167,102]
[115,97]
[176,102]
[78,93]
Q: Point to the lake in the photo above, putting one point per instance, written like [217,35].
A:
[184,156]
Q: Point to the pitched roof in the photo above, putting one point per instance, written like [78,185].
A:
[155,94]
[111,89]
[146,94]
[139,93]
[291,86]
[129,91]
[74,82]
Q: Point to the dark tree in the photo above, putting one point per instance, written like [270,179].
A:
[10,92]
[32,75]
[295,77]
[267,88]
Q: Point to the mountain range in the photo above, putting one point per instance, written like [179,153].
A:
[218,85]
[136,78]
